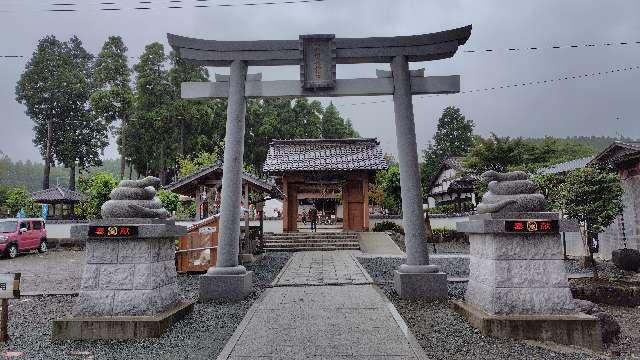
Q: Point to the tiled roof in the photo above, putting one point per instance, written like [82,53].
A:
[618,151]
[255,181]
[324,154]
[57,194]
[566,166]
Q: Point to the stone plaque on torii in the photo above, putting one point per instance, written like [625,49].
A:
[317,56]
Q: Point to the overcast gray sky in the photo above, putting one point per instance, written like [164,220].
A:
[574,107]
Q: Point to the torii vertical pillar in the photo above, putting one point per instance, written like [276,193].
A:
[228,279]
[416,278]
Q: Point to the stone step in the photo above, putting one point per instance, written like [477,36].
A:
[326,248]
[308,240]
[313,235]
[321,244]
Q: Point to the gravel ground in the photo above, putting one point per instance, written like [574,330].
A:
[201,335]
[443,334]
[453,247]
[383,266]
[55,270]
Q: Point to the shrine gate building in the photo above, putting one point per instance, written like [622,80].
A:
[321,170]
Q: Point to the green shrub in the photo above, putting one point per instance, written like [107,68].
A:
[97,187]
[186,211]
[388,226]
[448,235]
[18,198]
[451,208]
[169,200]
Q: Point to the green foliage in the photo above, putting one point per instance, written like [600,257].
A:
[507,154]
[589,195]
[333,126]
[113,100]
[191,165]
[18,198]
[549,186]
[453,137]
[451,208]
[495,153]
[388,183]
[186,210]
[97,188]
[55,89]
[169,200]
[448,235]
[388,226]
[28,173]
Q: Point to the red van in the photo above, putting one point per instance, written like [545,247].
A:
[22,235]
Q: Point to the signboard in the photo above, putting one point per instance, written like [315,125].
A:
[113,231]
[10,286]
[532,226]
[318,66]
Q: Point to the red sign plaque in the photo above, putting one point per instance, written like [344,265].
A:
[532,226]
[113,231]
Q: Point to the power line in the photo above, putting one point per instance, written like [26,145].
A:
[553,47]
[60,7]
[486,51]
[514,85]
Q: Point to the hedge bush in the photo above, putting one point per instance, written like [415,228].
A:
[388,226]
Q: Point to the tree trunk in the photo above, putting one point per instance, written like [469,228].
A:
[72,177]
[130,171]
[48,156]
[123,161]
[162,172]
[428,230]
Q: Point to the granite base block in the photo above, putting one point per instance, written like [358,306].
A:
[119,327]
[425,286]
[574,329]
[226,287]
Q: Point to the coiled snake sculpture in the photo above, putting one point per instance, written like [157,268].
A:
[135,199]
[510,192]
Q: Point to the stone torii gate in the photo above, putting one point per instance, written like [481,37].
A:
[317,56]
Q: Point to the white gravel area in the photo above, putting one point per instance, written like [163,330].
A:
[443,334]
[53,271]
[200,335]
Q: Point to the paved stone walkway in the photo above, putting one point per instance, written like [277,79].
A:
[322,268]
[322,322]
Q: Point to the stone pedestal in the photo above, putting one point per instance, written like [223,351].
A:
[126,276]
[424,286]
[517,281]
[226,287]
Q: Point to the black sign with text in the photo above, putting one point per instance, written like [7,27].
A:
[113,231]
[532,226]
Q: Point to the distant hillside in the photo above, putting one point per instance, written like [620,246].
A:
[29,173]
[597,143]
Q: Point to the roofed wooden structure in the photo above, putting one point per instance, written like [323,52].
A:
[62,201]
[305,165]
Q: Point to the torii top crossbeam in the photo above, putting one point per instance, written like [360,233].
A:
[426,47]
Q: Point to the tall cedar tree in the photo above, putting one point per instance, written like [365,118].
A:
[113,100]
[150,130]
[40,88]
[85,136]
[453,137]
[55,88]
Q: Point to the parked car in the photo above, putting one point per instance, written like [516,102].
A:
[22,235]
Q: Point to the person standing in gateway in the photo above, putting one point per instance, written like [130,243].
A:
[313,218]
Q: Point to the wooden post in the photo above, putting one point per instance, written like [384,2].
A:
[4,321]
